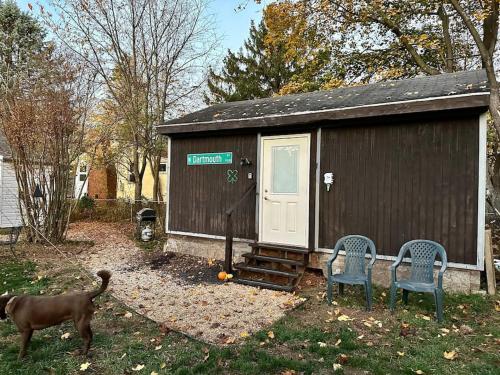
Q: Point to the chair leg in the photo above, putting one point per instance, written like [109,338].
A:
[341,289]
[368,293]
[329,291]
[392,303]
[405,296]
[438,297]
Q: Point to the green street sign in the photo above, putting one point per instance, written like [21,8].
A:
[210,158]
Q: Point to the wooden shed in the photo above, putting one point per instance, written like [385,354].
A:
[393,161]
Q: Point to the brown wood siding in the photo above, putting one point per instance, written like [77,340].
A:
[403,181]
[200,195]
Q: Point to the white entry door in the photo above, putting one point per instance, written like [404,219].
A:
[284,190]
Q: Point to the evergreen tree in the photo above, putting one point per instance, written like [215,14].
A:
[253,72]
[21,38]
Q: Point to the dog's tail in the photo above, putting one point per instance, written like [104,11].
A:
[105,276]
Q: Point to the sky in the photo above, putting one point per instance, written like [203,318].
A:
[232,25]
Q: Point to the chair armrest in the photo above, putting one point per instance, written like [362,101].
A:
[444,264]
[332,258]
[397,262]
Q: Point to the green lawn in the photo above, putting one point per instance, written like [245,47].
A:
[310,340]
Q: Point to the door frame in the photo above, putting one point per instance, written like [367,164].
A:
[260,166]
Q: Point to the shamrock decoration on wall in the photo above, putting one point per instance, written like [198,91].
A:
[232,176]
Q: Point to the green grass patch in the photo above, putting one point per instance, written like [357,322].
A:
[309,340]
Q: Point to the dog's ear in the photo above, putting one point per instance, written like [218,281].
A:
[3,304]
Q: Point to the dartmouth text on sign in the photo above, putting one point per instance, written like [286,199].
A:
[210,158]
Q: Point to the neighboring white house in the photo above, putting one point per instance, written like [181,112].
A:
[9,203]
[81,185]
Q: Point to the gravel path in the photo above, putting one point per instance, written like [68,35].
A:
[216,313]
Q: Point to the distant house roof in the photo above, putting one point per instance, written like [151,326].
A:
[4,147]
[421,94]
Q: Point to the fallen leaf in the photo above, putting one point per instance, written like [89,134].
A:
[338,342]
[66,336]
[163,365]
[344,318]
[337,367]
[401,354]
[465,329]
[84,366]
[154,373]
[450,355]
[128,315]
[419,372]
[244,334]
[270,334]
[158,347]
[322,344]
[342,359]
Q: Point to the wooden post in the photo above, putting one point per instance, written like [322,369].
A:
[228,262]
[488,263]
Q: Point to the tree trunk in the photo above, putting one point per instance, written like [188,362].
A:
[137,178]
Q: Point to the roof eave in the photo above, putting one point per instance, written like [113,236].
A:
[463,101]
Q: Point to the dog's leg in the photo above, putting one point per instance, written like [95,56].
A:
[85,331]
[25,340]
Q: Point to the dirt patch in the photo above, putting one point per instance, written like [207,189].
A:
[189,268]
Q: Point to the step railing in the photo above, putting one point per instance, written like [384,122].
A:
[228,261]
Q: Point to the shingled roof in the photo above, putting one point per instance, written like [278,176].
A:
[4,147]
[440,92]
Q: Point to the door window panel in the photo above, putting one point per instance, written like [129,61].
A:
[285,169]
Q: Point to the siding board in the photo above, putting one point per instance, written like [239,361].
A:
[402,181]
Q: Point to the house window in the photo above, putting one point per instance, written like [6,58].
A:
[163,167]
[131,177]
[83,169]
[83,177]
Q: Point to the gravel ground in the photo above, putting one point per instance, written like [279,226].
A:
[219,313]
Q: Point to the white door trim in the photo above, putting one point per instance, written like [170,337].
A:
[261,179]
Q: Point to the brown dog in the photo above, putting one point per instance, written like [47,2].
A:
[31,313]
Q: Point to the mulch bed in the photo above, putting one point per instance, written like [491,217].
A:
[188,268]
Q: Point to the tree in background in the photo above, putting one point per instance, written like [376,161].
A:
[283,54]
[148,56]
[21,40]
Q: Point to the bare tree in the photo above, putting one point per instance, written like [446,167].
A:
[150,56]
[43,117]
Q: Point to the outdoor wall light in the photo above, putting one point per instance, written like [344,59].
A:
[245,161]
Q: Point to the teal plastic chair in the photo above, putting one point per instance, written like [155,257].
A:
[423,255]
[355,270]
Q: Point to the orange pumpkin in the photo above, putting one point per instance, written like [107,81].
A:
[222,276]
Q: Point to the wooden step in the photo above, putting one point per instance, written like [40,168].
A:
[263,284]
[269,271]
[265,258]
[292,249]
